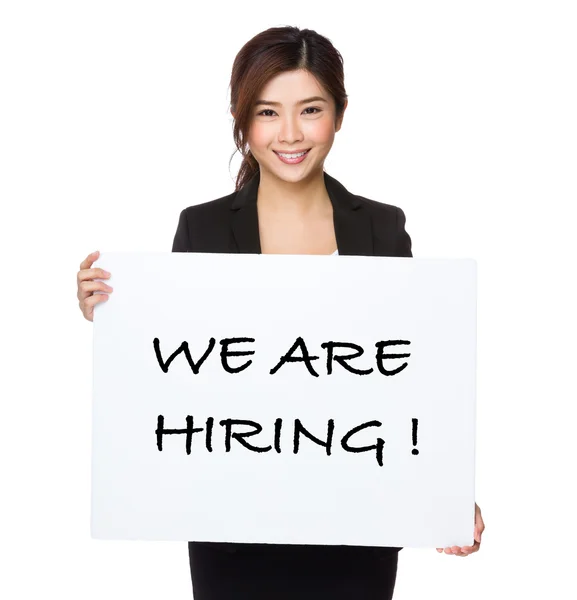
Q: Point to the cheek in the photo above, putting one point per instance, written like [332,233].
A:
[322,132]
[259,137]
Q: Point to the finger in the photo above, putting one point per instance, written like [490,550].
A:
[93,273]
[87,307]
[94,299]
[87,262]
[86,288]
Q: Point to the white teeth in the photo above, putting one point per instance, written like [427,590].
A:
[292,155]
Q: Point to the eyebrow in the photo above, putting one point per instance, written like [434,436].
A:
[305,101]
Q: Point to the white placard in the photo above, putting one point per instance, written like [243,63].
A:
[170,461]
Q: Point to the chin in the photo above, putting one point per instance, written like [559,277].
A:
[294,178]
[294,175]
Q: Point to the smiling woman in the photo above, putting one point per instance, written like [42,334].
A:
[288,101]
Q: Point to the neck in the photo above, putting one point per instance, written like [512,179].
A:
[306,196]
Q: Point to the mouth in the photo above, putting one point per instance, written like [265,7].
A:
[292,158]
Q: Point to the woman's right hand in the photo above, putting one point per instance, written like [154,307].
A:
[86,286]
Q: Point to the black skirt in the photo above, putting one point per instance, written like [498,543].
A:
[291,572]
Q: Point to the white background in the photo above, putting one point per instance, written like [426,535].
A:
[113,118]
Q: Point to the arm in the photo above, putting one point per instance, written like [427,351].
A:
[181,241]
[404,239]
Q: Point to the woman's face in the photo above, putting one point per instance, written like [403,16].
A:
[290,125]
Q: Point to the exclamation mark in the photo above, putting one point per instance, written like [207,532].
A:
[415,423]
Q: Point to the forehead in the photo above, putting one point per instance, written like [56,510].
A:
[291,86]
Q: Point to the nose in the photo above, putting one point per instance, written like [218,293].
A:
[290,131]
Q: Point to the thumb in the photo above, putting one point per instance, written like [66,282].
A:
[477,535]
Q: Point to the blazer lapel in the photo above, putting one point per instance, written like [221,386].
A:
[245,217]
[353,228]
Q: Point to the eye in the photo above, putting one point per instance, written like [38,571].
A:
[270,110]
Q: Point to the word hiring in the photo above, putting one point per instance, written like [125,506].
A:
[333,354]
[298,430]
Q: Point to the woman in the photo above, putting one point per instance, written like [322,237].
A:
[288,101]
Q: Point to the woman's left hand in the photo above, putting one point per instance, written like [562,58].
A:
[466,550]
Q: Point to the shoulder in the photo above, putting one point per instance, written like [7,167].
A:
[381,210]
[211,208]
[207,216]
[204,225]
[390,235]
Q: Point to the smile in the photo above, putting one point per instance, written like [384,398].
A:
[292,159]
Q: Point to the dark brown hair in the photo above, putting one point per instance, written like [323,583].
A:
[269,53]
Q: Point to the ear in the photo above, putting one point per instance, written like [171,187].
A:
[340,120]
[233,114]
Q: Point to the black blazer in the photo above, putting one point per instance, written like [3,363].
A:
[229,224]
